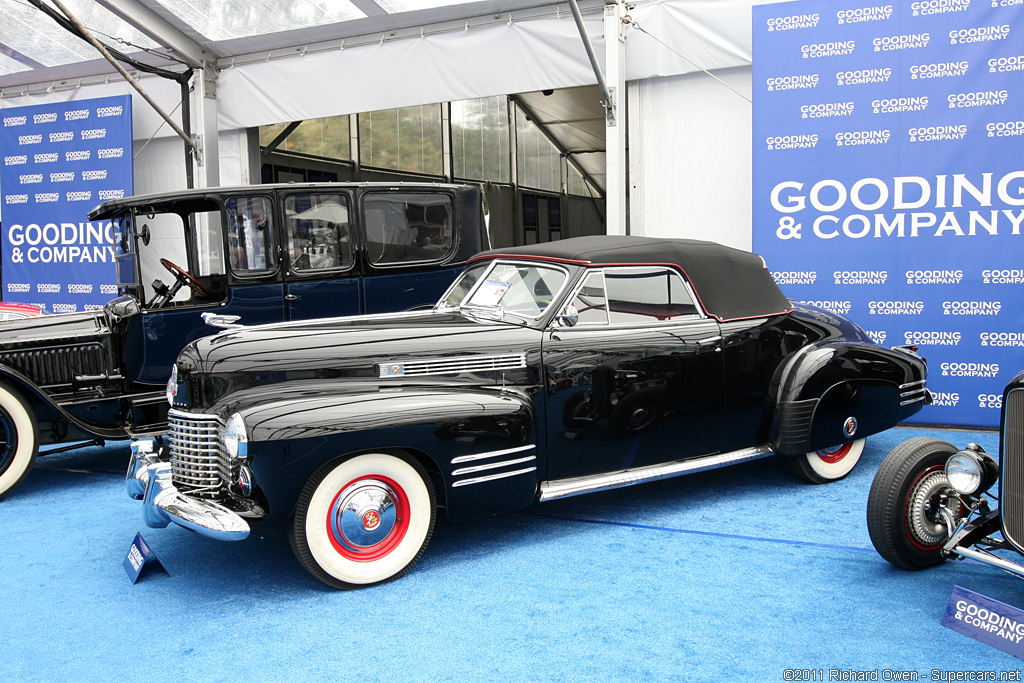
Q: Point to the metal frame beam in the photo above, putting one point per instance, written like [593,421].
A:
[157,28]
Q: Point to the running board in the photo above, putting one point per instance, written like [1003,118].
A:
[564,488]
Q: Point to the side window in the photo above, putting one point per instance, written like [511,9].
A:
[407,227]
[250,231]
[646,295]
[590,303]
[318,232]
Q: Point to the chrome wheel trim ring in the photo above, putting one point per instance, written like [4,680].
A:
[923,502]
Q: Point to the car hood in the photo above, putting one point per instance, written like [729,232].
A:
[51,329]
[234,368]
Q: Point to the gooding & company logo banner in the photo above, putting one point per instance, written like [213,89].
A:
[58,161]
[889,179]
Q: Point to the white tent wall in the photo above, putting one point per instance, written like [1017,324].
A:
[684,129]
[690,157]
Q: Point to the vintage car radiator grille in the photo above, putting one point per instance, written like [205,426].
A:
[50,367]
[442,366]
[1012,494]
[199,465]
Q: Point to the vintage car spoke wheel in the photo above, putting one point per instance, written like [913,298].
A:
[17,439]
[906,502]
[828,464]
[363,521]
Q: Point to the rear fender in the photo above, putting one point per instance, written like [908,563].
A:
[833,392]
[479,445]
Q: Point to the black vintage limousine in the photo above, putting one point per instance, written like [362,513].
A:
[545,371]
[231,255]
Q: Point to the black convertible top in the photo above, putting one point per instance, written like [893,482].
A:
[730,283]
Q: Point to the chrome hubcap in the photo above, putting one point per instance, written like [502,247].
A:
[364,514]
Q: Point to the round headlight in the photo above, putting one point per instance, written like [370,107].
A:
[964,472]
[236,441]
[971,470]
[172,384]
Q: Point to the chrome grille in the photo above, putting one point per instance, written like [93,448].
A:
[199,465]
[442,366]
[1012,494]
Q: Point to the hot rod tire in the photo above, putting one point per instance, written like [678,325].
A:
[18,439]
[364,520]
[903,504]
[828,464]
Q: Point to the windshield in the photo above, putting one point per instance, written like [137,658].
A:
[524,289]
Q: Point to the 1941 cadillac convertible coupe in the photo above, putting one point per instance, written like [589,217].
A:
[544,372]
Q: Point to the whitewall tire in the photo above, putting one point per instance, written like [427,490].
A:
[363,521]
[828,464]
[18,439]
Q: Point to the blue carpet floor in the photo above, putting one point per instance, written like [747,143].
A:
[731,575]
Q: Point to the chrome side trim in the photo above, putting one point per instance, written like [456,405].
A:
[443,366]
[990,559]
[491,454]
[912,392]
[491,466]
[492,477]
[564,488]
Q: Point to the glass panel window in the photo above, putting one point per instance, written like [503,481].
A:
[590,303]
[525,290]
[407,228]
[646,295]
[480,139]
[328,137]
[406,139]
[318,232]
[539,162]
[250,231]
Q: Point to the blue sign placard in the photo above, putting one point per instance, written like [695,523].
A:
[141,556]
[986,620]
[59,161]
[889,179]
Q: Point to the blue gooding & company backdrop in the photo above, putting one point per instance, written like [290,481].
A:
[889,179]
[59,161]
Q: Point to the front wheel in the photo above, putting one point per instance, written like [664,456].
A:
[828,464]
[908,497]
[363,521]
[18,439]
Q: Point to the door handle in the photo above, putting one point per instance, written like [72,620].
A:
[290,297]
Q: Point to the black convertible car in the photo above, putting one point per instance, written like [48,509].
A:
[544,372]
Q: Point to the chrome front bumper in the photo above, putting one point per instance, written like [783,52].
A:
[149,480]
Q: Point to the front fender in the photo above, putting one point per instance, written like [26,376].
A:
[479,445]
[830,388]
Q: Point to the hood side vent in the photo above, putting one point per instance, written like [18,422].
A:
[57,366]
[445,366]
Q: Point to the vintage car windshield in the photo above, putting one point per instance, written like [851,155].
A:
[522,289]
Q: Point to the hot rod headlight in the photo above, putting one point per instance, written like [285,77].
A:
[172,384]
[971,470]
[236,441]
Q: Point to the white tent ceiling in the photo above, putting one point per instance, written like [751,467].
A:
[288,60]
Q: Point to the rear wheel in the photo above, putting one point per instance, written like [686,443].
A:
[911,503]
[363,521]
[18,439]
[828,464]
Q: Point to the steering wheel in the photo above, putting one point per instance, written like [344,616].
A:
[182,275]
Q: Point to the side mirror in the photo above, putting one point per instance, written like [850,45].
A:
[568,317]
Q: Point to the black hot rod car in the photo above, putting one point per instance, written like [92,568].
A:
[927,501]
[544,372]
[252,254]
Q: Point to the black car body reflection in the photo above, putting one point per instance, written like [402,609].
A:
[544,372]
